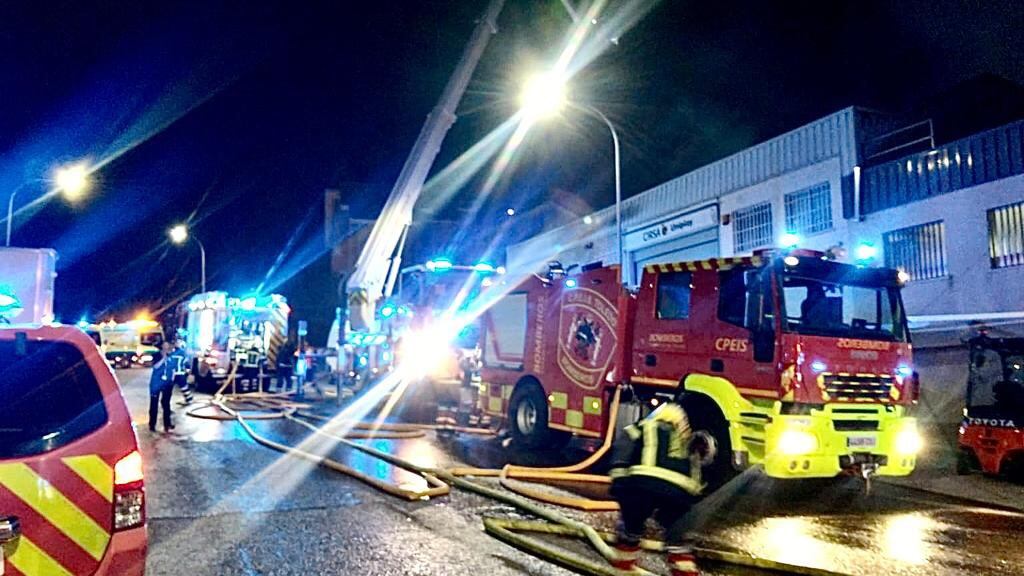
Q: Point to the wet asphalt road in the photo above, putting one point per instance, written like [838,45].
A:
[221,504]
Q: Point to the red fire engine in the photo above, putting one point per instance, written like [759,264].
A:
[794,361]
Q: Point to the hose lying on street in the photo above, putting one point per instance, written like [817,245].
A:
[440,481]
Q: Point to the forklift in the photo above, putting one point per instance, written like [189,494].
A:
[991,437]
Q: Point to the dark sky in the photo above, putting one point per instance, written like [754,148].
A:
[236,115]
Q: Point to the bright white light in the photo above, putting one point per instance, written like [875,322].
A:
[789,240]
[543,95]
[866,251]
[904,370]
[797,443]
[588,219]
[7,300]
[511,211]
[178,234]
[819,366]
[791,260]
[425,350]
[72,181]
[483,267]
[570,283]
[909,441]
[903,277]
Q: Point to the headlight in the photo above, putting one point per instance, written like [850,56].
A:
[797,443]
[909,441]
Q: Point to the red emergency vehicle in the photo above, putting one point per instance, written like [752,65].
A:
[72,500]
[991,437]
[794,361]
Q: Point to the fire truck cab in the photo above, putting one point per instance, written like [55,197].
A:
[791,360]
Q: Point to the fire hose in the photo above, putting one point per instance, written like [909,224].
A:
[440,481]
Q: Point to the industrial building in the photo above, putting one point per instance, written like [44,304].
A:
[950,215]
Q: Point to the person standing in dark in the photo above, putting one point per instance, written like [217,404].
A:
[161,385]
[177,361]
[285,364]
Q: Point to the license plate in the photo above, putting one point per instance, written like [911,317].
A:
[861,442]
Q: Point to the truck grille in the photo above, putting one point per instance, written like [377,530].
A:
[858,387]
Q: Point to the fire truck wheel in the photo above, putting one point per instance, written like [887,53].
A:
[705,415]
[528,419]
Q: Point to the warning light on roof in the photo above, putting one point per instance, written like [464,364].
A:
[866,251]
[439,265]
[789,240]
[570,282]
[483,267]
[387,311]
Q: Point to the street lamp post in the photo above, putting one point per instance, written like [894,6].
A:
[71,181]
[545,95]
[179,235]
[618,184]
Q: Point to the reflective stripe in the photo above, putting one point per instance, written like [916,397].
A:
[632,432]
[559,400]
[574,418]
[675,478]
[36,492]
[95,472]
[592,405]
[649,454]
[494,404]
[32,560]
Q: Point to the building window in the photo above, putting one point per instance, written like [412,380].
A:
[809,211]
[674,295]
[920,251]
[752,227]
[1006,235]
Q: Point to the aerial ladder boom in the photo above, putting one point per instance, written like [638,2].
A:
[380,260]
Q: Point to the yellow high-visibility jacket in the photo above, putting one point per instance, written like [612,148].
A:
[658,447]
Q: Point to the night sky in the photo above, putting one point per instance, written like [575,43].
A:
[237,115]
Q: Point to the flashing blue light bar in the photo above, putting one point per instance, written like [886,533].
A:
[248,303]
[819,366]
[387,311]
[866,251]
[483,267]
[904,370]
[789,240]
[439,265]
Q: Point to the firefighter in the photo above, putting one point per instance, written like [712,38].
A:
[178,365]
[656,472]
[161,386]
[285,364]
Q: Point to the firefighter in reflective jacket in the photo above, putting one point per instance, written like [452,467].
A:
[656,472]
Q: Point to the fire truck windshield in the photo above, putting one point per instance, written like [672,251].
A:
[841,305]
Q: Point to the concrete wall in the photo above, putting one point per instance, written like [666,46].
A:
[775,190]
[972,285]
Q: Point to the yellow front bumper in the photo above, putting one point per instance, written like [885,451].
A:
[843,438]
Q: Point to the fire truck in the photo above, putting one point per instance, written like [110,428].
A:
[991,438]
[791,360]
[225,335]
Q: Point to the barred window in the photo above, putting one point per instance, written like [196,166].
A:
[920,251]
[809,211]
[1006,235]
[752,227]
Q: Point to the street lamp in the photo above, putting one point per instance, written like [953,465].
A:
[72,181]
[179,235]
[543,96]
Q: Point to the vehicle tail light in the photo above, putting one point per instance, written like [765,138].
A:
[129,493]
